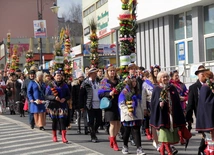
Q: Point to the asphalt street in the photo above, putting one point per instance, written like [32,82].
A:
[17,138]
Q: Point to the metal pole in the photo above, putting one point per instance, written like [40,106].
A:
[118,49]
[40,39]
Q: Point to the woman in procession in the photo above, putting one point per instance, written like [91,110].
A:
[167,114]
[112,115]
[36,96]
[58,94]
[154,70]
[131,113]
[183,94]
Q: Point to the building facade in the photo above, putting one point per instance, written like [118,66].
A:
[172,33]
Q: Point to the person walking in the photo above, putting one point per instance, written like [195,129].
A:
[58,93]
[112,115]
[167,114]
[89,101]
[194,91]
[31,76]
[36,96]
[75,96]
[131,113]
[183,94]
[13,89]
[147,88]
[205,112]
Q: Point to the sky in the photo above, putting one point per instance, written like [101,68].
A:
[65,4]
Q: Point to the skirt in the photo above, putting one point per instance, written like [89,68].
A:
[165,135]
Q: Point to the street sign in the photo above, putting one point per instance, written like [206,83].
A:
[181,52]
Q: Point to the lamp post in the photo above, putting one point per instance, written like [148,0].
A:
[39,10]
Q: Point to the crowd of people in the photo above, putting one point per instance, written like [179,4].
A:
[153,102]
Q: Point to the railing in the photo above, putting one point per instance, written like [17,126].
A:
[186,75]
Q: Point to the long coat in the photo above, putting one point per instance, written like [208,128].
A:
[192,105]
[160,116]
[36,92]
[205,112]
[16,86]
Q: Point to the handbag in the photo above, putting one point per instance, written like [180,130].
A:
[25,108]
[185,132]
[105,103]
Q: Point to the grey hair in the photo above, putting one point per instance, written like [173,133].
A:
[39,73]
[161,74]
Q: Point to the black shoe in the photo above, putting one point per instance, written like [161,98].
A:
[86,131]
[20,115]
[101,128]
[94,140]
[32,126]
[78,131]
[42,128]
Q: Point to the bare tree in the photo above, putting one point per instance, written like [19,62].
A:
[74,14]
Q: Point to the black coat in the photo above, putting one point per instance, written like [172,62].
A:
[159,116]
[192,105]
[75,94]
[205,112]
[86,94]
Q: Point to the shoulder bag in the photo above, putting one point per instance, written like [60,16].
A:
[105,103]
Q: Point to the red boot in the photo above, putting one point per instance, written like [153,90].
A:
[54,136]
[168,149]
[115,146]
[207,152]
[148,135]
[111,139]
[64,140]
[162,149]
[182,141]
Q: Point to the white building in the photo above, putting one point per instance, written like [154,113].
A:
[99,10]
[172,32]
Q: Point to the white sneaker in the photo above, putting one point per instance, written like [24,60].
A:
[125,150]
[140,151]
[154,144]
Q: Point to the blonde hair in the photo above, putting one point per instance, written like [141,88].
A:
[160,74]
[110,68]
[39,73]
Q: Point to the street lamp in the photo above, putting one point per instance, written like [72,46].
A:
[54,8]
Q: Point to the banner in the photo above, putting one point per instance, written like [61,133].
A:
[103,49]
[40,29]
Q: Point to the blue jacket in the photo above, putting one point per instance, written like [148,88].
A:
[35,92]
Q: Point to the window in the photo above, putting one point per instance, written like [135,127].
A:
[101,2]
[209,19]
[183,37]
[179,26]
[189,24]
[89,10]
[209,42]
[190,52]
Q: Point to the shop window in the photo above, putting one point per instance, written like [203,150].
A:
[209,48]
[209,19]
[179,26]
